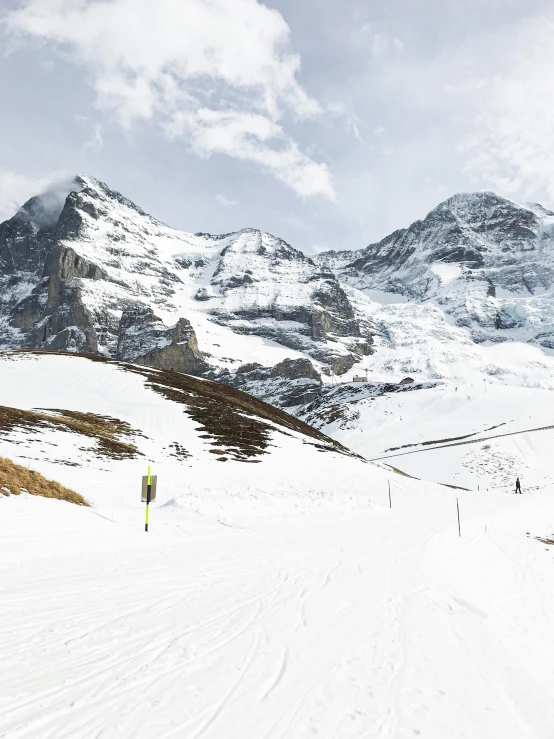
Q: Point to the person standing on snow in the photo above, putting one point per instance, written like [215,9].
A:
[518,486]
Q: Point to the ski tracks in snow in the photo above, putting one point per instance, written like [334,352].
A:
[382,625]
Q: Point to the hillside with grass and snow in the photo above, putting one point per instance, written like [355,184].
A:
[276,592]
[96,425]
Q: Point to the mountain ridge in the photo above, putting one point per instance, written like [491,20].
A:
[97,274]
[150,273]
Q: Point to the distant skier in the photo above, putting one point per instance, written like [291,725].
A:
[518,486]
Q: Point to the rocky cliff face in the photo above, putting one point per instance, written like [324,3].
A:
[486,261]
[96,274]
[267,288]
[290,384]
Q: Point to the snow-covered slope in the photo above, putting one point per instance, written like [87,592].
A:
[477,435]
[459,389]
[95,425]
[238,615]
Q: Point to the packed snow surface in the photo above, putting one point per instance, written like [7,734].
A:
[277,599]
[378,624]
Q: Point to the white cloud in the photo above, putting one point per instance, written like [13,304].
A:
[510,145]
[16,189]
[380,43]
[96,140]
[218,72]
[476,113]
[225,201]
[384,43]
[245,136]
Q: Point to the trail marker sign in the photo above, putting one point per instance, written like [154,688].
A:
[153,483]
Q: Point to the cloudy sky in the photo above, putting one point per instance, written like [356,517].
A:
[327,123]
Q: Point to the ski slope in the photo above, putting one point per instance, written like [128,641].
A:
[473,435]
[376,624]
[277,599]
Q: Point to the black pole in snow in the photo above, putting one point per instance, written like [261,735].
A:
[459,528]
[148,491]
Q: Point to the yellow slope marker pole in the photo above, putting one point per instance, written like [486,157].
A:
[148,489]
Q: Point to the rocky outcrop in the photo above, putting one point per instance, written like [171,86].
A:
[65,267]
[201,294]
[295,369]
[180,355]
[68,327]
[289,383]
[54,314]
[140,332]
[144,339]
[343,364]
[288,369]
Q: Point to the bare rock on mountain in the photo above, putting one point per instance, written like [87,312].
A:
[295,369]
[292,382]
[288,369]
[76,270]
[475,256]
[270,289]
[145,340]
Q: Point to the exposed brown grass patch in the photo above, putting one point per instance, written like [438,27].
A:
[179,451]
[547,540]
[15,479]
[103,429]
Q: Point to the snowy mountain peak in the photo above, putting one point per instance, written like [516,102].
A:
[486,261]
[105,277]
[479,201]
[43,210]
[483,204]
[83,268]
